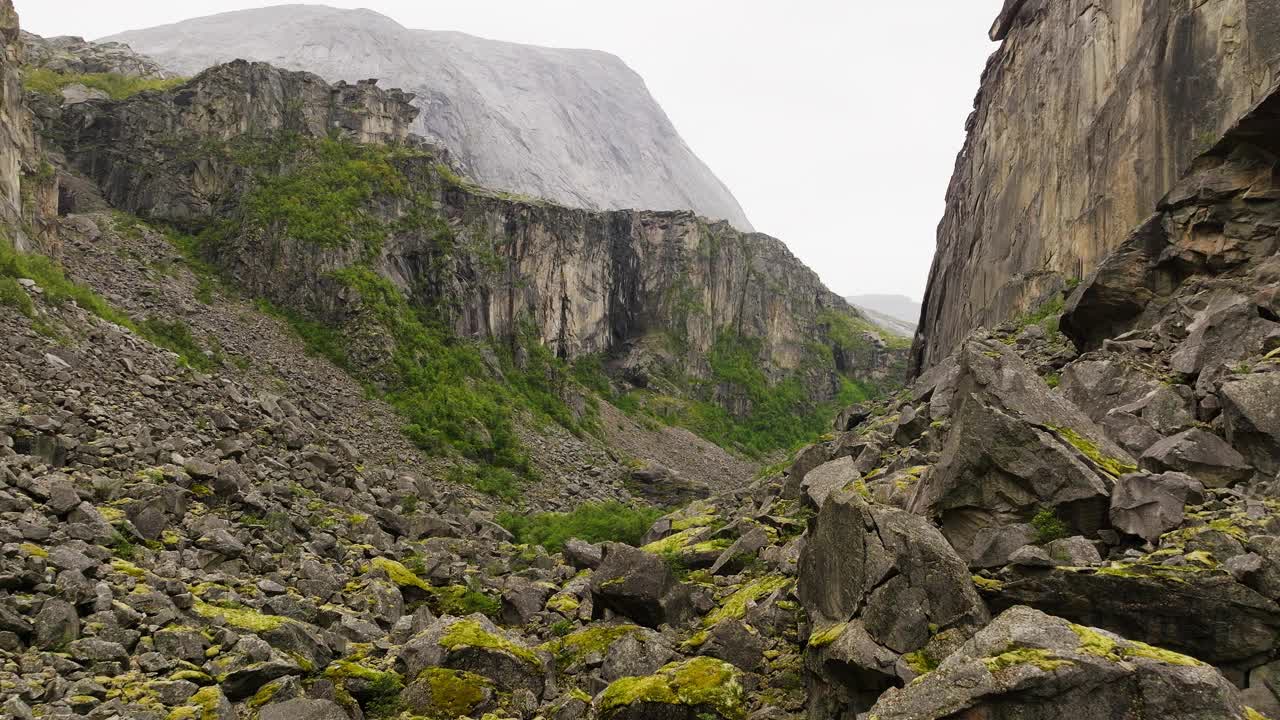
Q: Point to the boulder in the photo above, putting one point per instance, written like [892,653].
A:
[1027,665]
[582,555]
[1190,608]
[825,479]
[301,709]
[1148,506]
[1014,449]
[475,645]
[1251,418]
[699,689]
[878,583]
[1200,454]
[639,586]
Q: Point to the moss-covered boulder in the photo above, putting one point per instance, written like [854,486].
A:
[446,694]
[475,645]
[1030,666]
[639,585]
[692,690]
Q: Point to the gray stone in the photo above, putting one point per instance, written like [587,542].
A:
[1148,506]
[301,709]
[1201,455]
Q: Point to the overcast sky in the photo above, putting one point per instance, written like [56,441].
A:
[834,122]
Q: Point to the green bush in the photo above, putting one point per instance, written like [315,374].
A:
[118,87]
[175,335]
[592,522]
[13,295]
[1049,526]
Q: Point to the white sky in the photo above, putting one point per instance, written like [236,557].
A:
[834,122]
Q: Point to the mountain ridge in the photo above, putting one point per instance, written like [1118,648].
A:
[574,126]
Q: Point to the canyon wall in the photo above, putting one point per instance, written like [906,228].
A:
[1087,115]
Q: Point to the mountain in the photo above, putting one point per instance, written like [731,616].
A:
[298,421]
[896,313]
[574,126]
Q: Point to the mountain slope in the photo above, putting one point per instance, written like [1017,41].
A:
[574,126]
[896,313]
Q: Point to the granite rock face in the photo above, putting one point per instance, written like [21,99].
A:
[577,127]
[1088,114]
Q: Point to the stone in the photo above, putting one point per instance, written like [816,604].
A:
[1073,551]
[475,645]
[820,482]
[302,709]
[583,555]
[1148,506]
[56,625]
[1027,664]
[1196,611]
[876,582]
[639,586]
[1200,454]
[736,644]
[1251,418]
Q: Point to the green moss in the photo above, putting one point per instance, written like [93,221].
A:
[673,544]
[1095,643]
[824,636]
[1251,714]
[735,606]
[563,603]
[986,583]
[454,693]
[33,550]
[1036,657]
[1112,466]
[203,705]
[399,574]
[469,633]
[702,682]
[127,568]
[921,662]
[118,87]
[462,600]
[576,647]
[240,618]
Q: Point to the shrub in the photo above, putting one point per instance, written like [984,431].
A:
[592,522]
[175,335]
[1049,526]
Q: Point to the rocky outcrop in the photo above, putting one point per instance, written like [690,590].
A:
[577,127]
[1088,114]
[76,56]
[28,191]
[1030,665]
[587,282]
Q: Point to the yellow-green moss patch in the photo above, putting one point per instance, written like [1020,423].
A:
[735,606]
[454,693]
[469,633]
[399,574]
[1035,657]
[575,647]
[1096,643]
[1112,466]
[240,618]
[826,635]
[702,682]
[33,550]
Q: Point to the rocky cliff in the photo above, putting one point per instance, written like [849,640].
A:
[1087,115]
[576,127]
[586,282]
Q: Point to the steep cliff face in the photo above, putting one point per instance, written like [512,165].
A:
[577,127]
[665,284]
[28,190]
[1087,115]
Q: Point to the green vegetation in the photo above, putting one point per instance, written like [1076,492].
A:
[781,415]
[1049,526]
[326,196]
[1036,657]
[60,290]
[454,693]
[1112,466]
[118,87]
[469,633]
[592,522]
[702,683]
[1046,316]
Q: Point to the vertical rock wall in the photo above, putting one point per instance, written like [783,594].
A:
[1087,115]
